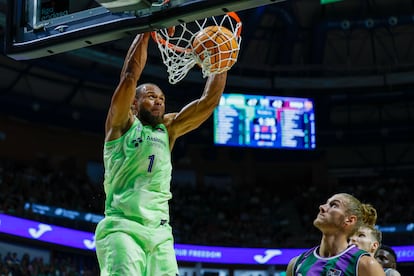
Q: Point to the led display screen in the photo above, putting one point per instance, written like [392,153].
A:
[265,122]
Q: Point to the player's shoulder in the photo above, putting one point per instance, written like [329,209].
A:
[368,265]
[291,265]
[169,118]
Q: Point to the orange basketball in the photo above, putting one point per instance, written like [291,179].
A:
[218,44]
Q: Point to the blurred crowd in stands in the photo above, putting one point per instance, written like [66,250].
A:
[258,215]
[62,264]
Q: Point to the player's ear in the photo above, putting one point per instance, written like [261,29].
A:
[134,105]
[375,246]
[350,220]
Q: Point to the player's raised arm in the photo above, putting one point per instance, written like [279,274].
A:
[120,117]
[197,111]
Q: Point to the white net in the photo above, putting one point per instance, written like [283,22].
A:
[180,55]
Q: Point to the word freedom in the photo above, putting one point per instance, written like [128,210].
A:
[198,253]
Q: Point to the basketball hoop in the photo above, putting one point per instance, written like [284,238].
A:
[177,50]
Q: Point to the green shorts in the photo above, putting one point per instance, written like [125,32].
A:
[125,247]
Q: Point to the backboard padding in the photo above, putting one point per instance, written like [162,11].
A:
[27,38]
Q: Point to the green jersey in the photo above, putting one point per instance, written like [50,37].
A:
[137,175]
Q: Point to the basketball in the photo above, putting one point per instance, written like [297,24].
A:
[216,48]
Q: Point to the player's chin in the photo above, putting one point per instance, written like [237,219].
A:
[159,118]
[157,113]
[317,221]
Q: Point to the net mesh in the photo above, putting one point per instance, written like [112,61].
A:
[178,53]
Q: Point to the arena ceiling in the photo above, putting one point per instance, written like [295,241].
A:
[296,47]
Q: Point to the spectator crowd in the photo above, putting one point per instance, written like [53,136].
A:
[259,215]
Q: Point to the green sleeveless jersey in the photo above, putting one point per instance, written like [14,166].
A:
[137,175]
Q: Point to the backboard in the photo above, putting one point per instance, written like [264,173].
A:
[39,28]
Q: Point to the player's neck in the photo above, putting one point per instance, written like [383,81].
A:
[331,247]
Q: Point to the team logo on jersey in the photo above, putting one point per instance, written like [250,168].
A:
[137,141]
[334,272]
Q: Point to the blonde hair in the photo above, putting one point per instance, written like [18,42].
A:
[366,213]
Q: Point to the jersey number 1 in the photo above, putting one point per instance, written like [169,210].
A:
[151,163]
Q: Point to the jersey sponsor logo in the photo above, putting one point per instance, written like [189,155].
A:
[156,140]
[334,272]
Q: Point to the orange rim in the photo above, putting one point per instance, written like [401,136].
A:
[237,18]
[158,39]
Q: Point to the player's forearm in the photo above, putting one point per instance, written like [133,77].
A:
[119,112]
[214,89]
[136,57]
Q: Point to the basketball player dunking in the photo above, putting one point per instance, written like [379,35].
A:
[135,237]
